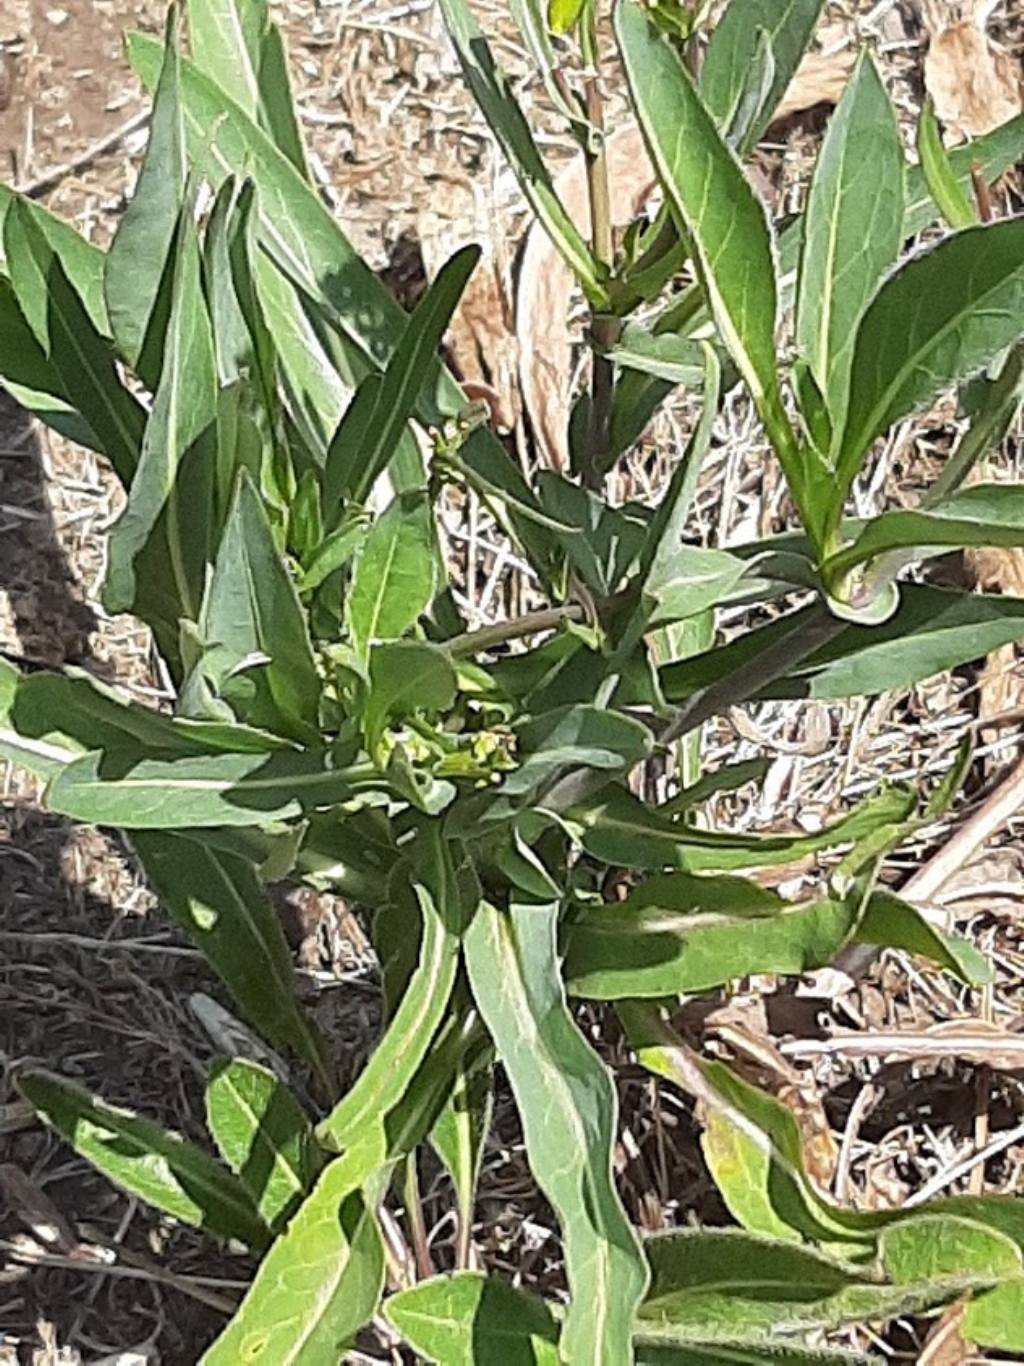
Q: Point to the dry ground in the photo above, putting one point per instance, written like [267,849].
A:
[94,983]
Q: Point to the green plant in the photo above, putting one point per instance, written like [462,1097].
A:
[336,723]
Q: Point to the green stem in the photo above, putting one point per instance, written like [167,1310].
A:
[530,624]
[605,329]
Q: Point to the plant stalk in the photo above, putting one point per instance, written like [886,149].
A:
[604,328]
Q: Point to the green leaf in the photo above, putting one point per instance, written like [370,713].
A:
[931,1247]
[184,410]
[564,15]
[81,357]
[263,1136]
[574,737]
[30,379]
[604,541]
[666,355]
[468,1319]
[721,1283]
[458,1137]
[260,659]
[83,261]
[761,1354]
[654,950]
[953,203]
[406,676]
[852,230]
[982,515]
[889,922]
[147,1161]
[123,789]
[395,574]
[220,903]
[499,107]
[333,554]
[353,466]
[300,234]
[568,1109]
[937,320]
[723,216]
[532,25]
[412,1027]
[989,156]
[617,828]
[933,630]
[320,1282]
[730,75]
[142,253]
[995,1318]
[48,720]
[236,45]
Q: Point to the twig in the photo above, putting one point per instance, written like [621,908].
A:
[946,1178]
[32,189]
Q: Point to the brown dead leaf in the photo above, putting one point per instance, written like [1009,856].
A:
[36,1210]
[481,341]
[945,1344]
[1000,684]
[974,84]
[820,79]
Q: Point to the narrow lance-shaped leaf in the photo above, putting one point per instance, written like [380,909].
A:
[297,226]
[852,230]
[218,900]
[951,198]
[320,1282]
[714,1284]
[468,1319]
[260,659]
[31,380]
[981,515]
[567,1104]
[264,1137]
[933,630]
[121,788]
[406,676]
[333,1241]
[235,43]
[184,410]
[354,466]
[726,222]
[141,256]
[458,1137]
[82,358]
[395,572]
[497,103]
[83,261]
[940,318]
[785,28]
[415,1021]
[159,1167]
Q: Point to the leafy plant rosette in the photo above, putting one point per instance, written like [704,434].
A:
[284,432]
